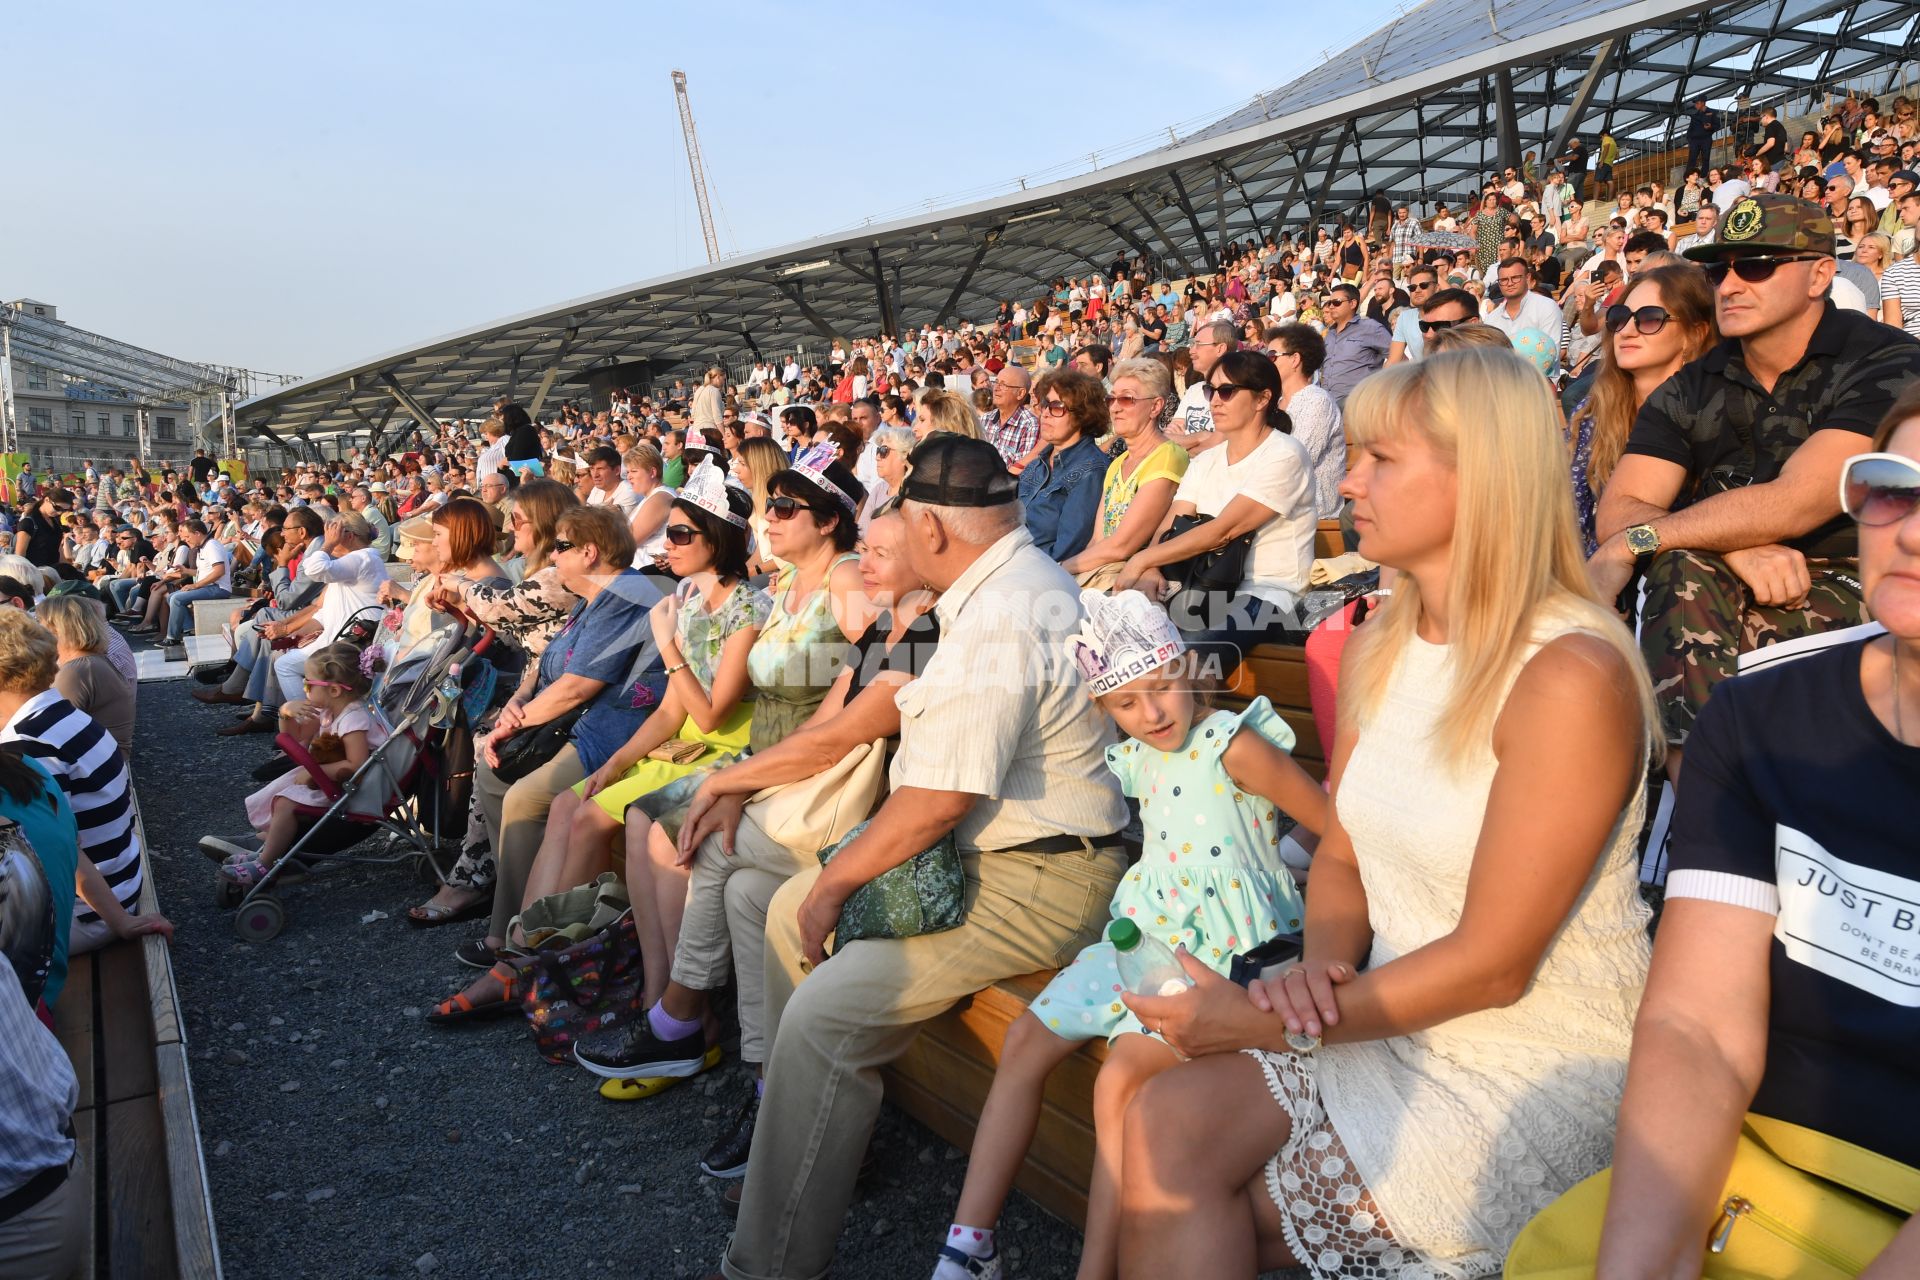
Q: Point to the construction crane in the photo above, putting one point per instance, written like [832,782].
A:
[693,163]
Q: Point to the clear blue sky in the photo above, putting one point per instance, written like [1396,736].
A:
[296,187]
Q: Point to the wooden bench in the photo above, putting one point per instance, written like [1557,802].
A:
[146,1193]
[943,1078]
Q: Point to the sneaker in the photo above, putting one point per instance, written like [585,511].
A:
[955,1264]
[727,1157]
[222,850]
[632,1049]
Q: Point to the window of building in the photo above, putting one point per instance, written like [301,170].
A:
[103,424]
[40,420]
[79,423]
[127,425]
[36,378]
[163,427]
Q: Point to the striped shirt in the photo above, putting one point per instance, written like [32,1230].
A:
[38,1091]
[93,773]
[1902,281]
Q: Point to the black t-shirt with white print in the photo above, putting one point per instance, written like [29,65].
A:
[1798,802]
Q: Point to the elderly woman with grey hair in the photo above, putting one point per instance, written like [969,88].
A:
[1140,483]
[891,445]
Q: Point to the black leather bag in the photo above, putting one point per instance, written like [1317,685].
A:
[1221,569]
[528,749]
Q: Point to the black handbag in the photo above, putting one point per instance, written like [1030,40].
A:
[527,749]
[1221,569]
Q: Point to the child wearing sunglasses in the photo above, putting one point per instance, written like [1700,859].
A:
[338,728]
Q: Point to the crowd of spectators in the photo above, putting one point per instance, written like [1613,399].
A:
[998,573]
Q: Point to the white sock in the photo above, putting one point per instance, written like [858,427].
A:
[975,1242]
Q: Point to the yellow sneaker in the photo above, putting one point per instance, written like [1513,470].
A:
[635,1090]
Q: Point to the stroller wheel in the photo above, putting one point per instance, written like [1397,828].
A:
[226,893]
[260,920]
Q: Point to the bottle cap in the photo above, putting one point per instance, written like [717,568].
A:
[1124,935]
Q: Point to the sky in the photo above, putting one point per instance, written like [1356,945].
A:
[293,188]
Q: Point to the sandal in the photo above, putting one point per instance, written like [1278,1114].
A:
[429,915]
[460,1007]
[646,1087]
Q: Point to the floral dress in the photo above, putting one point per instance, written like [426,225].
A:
[1209,876]
[703,634]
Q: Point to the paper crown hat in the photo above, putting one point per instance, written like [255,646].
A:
[812,463]
[1125,636]
[706,489]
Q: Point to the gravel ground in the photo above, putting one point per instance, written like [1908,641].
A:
[347,1138]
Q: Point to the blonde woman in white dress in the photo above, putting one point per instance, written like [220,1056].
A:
[1449,1053]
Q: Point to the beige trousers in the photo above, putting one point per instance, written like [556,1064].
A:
[833,1031]
[724,926]
[516,816]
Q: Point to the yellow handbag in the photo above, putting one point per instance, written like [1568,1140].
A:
[1798,1205]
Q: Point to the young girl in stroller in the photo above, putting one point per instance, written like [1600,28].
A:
[336,725]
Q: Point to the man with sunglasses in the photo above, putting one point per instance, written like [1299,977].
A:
[1408,341]
[1726,494]
[1356,346]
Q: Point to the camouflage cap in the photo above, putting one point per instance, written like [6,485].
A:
[1767,222]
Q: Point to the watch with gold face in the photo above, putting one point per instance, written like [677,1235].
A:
[1643,540]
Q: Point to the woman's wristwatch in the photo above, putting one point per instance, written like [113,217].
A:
[1301,1042]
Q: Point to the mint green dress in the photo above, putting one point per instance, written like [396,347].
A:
[1209,876]
[796,659]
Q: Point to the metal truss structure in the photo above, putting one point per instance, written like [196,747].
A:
[146,378]
[1419,111]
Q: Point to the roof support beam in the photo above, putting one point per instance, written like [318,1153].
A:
[1582,99]
[407,401]
[1173,246]
[821,325]
[1211,251]
[1332,163]
[945,313]
[1509,123]
[888,314]
[553,370]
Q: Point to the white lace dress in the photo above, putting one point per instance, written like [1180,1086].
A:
[1422,1156]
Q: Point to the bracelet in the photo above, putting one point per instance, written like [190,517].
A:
[678,666]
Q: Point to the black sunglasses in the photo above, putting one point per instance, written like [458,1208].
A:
[882,450]
[781,507]
[1222,390]
[561,544]
[1753,270]
[1432,326]
[1646,319]
[681,535]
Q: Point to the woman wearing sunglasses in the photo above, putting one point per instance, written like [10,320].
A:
[1665,320]
[1060,487]
[1138,486]
[1782,990]
[1259,487]
[891,445]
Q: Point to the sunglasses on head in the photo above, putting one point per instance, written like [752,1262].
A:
[1646,319]
[1879,488]
[1753,270]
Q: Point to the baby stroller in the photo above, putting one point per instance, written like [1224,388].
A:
[408,786]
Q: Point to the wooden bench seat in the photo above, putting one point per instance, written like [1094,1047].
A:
[943,1078]
[146,1192]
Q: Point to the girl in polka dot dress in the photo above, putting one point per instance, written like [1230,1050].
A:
[1212,787]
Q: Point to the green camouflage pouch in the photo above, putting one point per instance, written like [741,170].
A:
[925,894]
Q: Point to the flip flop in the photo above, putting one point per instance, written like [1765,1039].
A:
[646,1087]
[459,1007]
[429,916]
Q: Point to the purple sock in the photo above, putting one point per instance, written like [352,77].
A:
[668,1027]
[759,1087]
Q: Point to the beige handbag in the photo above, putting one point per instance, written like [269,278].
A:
[815,813]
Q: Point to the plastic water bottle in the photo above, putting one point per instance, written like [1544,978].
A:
[1148,966]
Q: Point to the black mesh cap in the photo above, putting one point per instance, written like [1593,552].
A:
[948,470]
